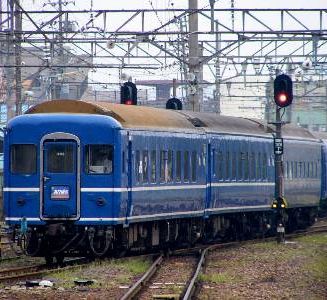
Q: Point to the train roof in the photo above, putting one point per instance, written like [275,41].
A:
[143,117]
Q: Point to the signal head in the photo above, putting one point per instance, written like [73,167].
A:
[283,90]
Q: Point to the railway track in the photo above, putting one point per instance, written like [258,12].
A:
[191,289]
[35,271]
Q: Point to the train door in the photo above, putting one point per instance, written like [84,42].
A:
[60,177]
[209,159]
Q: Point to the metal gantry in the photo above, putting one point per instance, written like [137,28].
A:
[225,49]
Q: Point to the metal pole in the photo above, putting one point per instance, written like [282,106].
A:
[174,87]
[193,49]
[218,77]
[18,58]
[279,187]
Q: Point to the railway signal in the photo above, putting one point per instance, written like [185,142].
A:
[283,96]
[128,93]
[283,90]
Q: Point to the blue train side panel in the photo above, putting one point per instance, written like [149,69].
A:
[324,170]
[232,188]
[155,192]
[302,173]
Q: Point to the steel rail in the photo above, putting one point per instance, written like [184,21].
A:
[136,288]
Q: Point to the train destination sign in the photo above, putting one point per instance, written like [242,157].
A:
[278,146]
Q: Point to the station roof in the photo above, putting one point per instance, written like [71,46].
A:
[144,117]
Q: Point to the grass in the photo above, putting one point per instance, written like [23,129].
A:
[320,239]
[319,267]
[118,272]
[135,266]
[216,278]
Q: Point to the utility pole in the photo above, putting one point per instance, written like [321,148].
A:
[194,51]
[218,77]
[18,57]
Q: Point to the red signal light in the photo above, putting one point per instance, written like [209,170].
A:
[282,98]
[129,102]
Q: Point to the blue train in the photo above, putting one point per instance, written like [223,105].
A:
[93,178]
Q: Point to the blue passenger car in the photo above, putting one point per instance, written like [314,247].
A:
[93,178]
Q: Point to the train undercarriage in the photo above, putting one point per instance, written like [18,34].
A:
[64,239]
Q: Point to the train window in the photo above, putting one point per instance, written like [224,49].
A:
[193,165]
[219,165]
[234,165]
[186,166]
[246,165]
[295,169]
[99,159]
[178,166]
[153,166]
[258,166]
[163,166]
[252,164]
[23,159]
[170,166]
[137,166]
[240,165]
[264,166]
[145,166]
[311,170]
[60,158]
[316,170]
[227,165]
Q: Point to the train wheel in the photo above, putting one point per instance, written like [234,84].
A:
[60,260]
[48,260]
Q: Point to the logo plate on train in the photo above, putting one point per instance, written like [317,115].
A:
[60,192]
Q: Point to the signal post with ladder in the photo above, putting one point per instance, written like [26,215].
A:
[283,96]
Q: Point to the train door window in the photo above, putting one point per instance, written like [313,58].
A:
[60,158]
[170,166]
[286,170]
[137,166]
[99,159]
[252,164]
[123,162]
[213,163]
[234,165]
[264,166]
[145,166]
[178,166]
[246,165]
[163,166]
[186,166]
[240,165]
[308,169]
[193,165]
[153,159]
[23,159]
[219,165]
